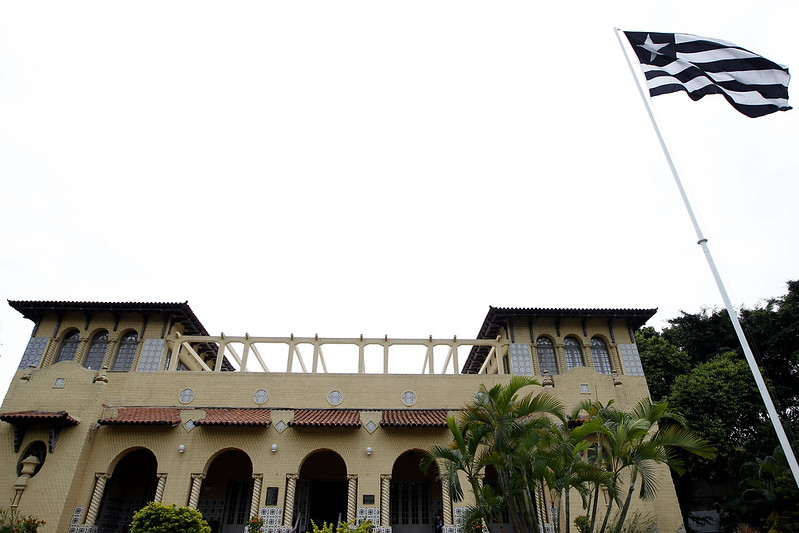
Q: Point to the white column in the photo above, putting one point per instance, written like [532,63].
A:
[385,499]
[352,496]
[194,495]
[257,481]
[291,488]
[97,496]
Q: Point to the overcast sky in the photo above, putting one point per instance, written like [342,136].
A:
[348,167]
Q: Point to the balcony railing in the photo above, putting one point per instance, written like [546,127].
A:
[327,355]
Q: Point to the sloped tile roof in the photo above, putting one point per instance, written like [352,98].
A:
[414,418]
[60,418]
[326,418]
[235,417]
[498,317]
[144,416]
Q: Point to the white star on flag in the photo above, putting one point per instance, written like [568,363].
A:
[651,47]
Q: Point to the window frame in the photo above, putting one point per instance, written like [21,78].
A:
[96,342]
[600,360]
[572,347]
[551,345]
[70,341]
[125,347]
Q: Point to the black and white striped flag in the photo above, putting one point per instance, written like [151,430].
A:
[675,62]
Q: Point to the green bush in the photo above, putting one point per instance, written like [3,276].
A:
[13,522]
[160,518]
[345,527]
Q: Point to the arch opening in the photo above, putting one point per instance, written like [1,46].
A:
[416,500]
[226,492]
[321,490]
[132,484]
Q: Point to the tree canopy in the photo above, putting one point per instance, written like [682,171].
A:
[697,365]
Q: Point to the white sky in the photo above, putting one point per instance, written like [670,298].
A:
[348,167]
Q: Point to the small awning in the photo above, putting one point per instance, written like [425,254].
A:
[235,417]
[427,418]
[57,418]
[326,418]
[53,420]
[143,416]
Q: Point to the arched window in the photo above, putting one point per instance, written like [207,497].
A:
[97,349]
[68,347]
[573,352]
[546,355]
[601,355]
[126,352]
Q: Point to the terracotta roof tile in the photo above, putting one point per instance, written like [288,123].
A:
[326,418]
[144,416]
[61,418]
[414,418]
[235,417]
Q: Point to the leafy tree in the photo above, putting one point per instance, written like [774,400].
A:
[767,496]
[720,400]
[662,362]
[772,330]
[159,518]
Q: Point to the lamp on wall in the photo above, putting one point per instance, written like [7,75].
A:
[181,448]
[274,448]
[368,450]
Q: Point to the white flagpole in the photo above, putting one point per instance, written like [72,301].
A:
[750,358]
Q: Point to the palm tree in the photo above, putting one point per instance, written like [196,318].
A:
[570,468]
[590,428]
[637,442]
[463,455]
[505,419]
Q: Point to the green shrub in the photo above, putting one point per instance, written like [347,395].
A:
[13,522]
[581,523]
[345,527]
[160,518]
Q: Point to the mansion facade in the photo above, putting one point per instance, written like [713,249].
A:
[117,404]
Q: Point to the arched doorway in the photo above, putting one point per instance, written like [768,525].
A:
[226,492]
[132,484]
[415,496]
[321,490]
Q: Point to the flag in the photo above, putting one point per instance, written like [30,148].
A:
[675,62]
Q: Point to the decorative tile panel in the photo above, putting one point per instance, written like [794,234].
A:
[74,522]
[272,517]
[151,354]
[521,363]
[33,352]
[368,513]
[631,360]
[370,426]
[382,529]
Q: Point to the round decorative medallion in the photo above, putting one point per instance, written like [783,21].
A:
[186,395]
[408,398]
[335,397]
[260,396]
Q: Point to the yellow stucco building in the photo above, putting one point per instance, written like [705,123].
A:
[117,404]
